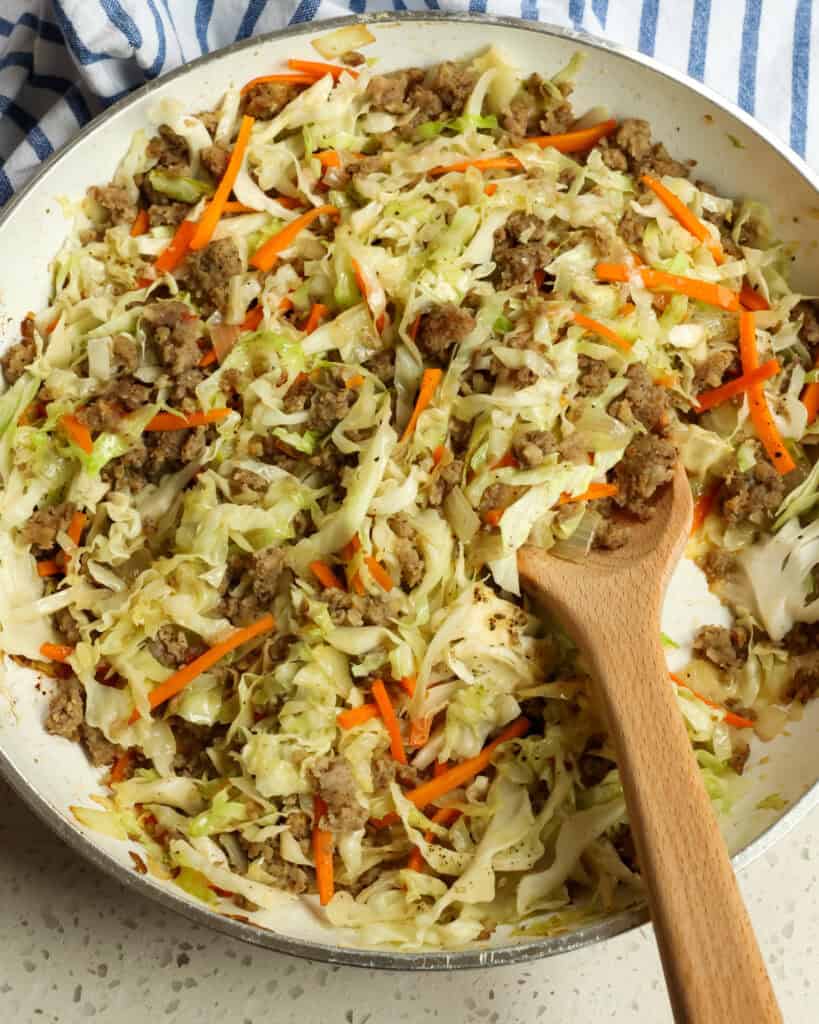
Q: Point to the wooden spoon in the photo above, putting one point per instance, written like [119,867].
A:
[610,605]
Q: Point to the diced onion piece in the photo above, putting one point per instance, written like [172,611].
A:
[351,37]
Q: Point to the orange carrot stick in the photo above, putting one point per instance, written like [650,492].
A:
[595,327]
[48,567]
[493,516]
[810,397]
[208,358]
[382,699]
[354,382]
[170,257]
[234,206]
[761,417]
[690,221]
[490,163]
[577,141]
[252,319]
[443,816]
[361,281]
[438,453]
[170,421]
[267,254]
[322,842]
[76,526]
[419,731]
[506,461]
[702,508]
[318,69]
[752,300]
[407,684]
[317,314]
[120,767]
[593,493]
[461,773]
[357,716]
[280,76]
[716,396]
[325,575]
[141,223]
[379,573]
[77,432]
[737,721]
[178,680]
[350,548]
[429,384]
[213,211]
[491,188]
[660,280]
[56,652]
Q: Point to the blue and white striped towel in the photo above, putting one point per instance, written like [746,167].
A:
[63,61]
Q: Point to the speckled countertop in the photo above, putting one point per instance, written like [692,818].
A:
[76,947]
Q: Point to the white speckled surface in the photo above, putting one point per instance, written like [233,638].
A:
[77,947]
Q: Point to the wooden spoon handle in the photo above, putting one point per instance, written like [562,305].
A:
[713,966]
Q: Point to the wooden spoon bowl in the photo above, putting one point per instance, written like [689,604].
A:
[610,605]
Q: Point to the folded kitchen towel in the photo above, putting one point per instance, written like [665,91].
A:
[63,61]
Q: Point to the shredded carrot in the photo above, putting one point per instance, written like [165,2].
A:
[577,141]
[328,158]
[318,69]
[56,652]
[690,221]
[737,721]
[289,202]
[438,453]
[350,548]
[761,417]
[357,716]
[439,767]
[491,188]
[443,816]
[170,257]
[493,516]
[78,433]
[357,585]
[626,309]
[317,314]
[144,282]
[325,575]
[178,680]
[407,684]
[322,842]
[413,331]
[76,526]
[810,397]
[379,573]
[666,380]
[289,78]
[595,327]
[213,211]
[490,163]
[429,384]
[252,319]
[660,280]
[141,223]
[593,493]
[48,567]
[752,300]
[419,731]
[382,699]
[702,508]
[234,206]
[267,254]
[170,421]
[285,304]
[507,460]
[361,281]
[716,396]
[466,770]
[208,358]
[354,382]
[120,767]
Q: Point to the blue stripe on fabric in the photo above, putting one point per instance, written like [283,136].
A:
[26,123]
[477,6]
[6,27]
[601,10]
[698,47]
[747,56]
[26,60]
[122,21]
[161,49]
[432,5]
[80,50]
[648,26]
[528,10]
[167,6]
[45,29]
[800,76]
[77,105]
[6,191]
[305,11]
[356,6]
[251,16]
[201,20]
[577,8]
